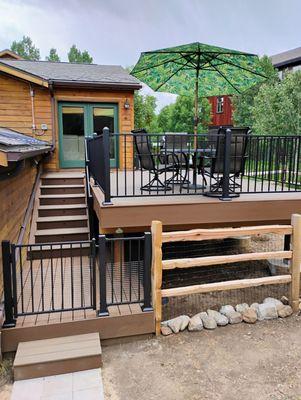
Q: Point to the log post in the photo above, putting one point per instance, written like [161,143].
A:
[296,261]
[157,273]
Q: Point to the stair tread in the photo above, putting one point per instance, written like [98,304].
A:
[62,186]
[62,206]
[63,218]
[61,231]
[61,196]
[63,175]
[57,349]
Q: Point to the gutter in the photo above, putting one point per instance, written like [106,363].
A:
[98,85]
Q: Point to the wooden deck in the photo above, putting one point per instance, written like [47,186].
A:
[185,211]
[62,275]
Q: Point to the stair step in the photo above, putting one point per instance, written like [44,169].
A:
[60,199]
[56,356]
[62,189]
[57,251]
[63,178]
[61,235]
[63,210]
[68,221]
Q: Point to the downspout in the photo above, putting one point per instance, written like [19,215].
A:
[52,100]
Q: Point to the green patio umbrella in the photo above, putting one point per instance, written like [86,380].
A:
[200,68]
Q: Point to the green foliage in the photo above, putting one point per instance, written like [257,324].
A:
[53,56]
[144,109]
[26,49]
[243,104]
[277,107]
[179,117]
[77,56]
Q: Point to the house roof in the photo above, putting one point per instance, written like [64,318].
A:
[287,58]
[15,146]
[6,53]
[59,73]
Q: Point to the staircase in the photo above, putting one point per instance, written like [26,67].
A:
[62,214]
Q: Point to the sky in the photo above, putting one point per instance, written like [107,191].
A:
[116,31]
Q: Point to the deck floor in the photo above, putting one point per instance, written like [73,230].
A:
[59,274]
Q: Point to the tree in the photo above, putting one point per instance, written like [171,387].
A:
[144,110]
[76,56]
[26,49]
[179,117]
[53,56]
[243,103]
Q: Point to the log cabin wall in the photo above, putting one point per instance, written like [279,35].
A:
[14,197]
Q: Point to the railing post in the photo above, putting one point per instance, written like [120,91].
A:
[295,262]
[93,256]
[157,273]
[9,322]
[147,272]
[226,167]
[106,154]
[103,308]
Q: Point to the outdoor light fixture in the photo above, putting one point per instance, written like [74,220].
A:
[126,104]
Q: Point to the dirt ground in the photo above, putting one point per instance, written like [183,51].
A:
[250,362]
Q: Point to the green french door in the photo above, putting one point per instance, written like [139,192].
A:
[80,120]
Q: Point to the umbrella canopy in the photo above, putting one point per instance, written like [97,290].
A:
[200,68]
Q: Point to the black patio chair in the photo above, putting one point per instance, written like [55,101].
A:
[174,148]
[151,162]
[239,141]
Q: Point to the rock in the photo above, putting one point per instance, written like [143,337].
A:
[284,312]
[234,317]
[255,306]
[178,324]
[249,316]
[208,322]
[241,307]
[267,311]
[195,323]
[279,307]
[272,301]
[165,330]
[226,310]
[220,319]
[284,300]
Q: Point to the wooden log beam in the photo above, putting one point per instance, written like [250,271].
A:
[214,260]
[223,233]
[296,261]
[228,285]
[156,230]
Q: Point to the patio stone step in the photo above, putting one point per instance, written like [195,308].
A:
[63,210]
[61,235]
[62,189]
[60,199]
[60,222]
[56,356]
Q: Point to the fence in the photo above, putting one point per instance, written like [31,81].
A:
[159,265]
[71,276]
[223,165]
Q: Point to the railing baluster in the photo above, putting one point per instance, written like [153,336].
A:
[147,272]
[7,283]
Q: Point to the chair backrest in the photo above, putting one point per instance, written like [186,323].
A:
[239,142]
[175,141]
[143,148]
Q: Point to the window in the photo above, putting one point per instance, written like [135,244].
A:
[220,105]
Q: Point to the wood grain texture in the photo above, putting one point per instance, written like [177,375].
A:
[156,230]
[296,261]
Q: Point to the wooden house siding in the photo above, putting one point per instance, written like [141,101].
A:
[224,118]
[14,197]
[16,112]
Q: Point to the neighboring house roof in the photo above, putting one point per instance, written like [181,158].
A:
[15,146]
[64,73]
[6,53]
[287,58]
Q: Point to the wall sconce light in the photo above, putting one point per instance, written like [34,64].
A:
[126,104]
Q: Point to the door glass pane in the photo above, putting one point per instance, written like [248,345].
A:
[73,133]
[104,118]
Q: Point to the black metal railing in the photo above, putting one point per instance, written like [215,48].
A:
[223,164]
[124,271]
[71,276]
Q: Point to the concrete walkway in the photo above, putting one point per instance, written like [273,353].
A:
[85,385]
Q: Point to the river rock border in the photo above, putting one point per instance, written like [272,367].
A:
[270,308]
